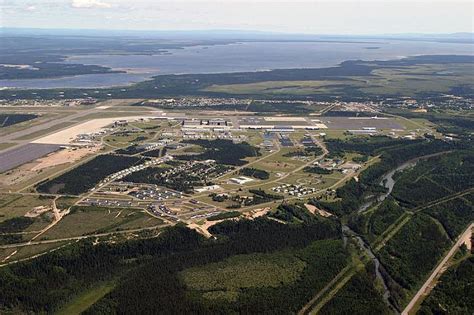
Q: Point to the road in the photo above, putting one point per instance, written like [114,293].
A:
[75,238]
[425,288]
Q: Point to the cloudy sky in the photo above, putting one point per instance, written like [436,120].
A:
[316,16]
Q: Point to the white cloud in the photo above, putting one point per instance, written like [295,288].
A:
[90,4]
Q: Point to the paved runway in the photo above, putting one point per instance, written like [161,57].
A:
[23,154]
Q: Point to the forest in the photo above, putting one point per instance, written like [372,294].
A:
[358,297]
[87,175]
[317,170]
[372,224]
[393,153]
[412,253]
[254,172]
[222,151]
[293,213]
[454,293]
[444,174]
[147,273]
[131,150]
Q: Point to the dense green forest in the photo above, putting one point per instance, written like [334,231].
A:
[184,180]
[413,250]
[131,150]
[87,175]
[453,215]
[372,224]
[358,297]
[307,151]
[445,175]
[412,253]
[453,294]
[14,225]
[317,170]
[293,213]
[222,151]
[254,172]
[393,153]
[147,273]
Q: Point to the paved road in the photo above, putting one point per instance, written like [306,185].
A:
[424,288]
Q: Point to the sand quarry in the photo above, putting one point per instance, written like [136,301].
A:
[204,226]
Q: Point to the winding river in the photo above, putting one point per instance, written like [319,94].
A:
[386,295]
[388,182]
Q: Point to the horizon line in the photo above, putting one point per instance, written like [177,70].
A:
[223,31]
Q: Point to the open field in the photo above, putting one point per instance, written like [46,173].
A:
[13,205]
[281,87]
[89,220]
[85,300]
[225,279]
[30,252]
[409,80]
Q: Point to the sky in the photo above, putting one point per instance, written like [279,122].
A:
[356,17]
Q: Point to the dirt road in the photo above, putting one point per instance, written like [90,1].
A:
[425,288]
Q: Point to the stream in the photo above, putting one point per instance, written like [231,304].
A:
[347,232]
[388,182]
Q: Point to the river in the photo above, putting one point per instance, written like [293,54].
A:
[347,232]
[388,182]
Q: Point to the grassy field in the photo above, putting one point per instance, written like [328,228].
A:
[124,140]
[83,301]
[29,251]
[89,220]
[406,80]
[17,205]
[4,146]
[227,278]
[46,131]
[42,118]
[282,87]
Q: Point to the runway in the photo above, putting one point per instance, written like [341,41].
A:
[23,154]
